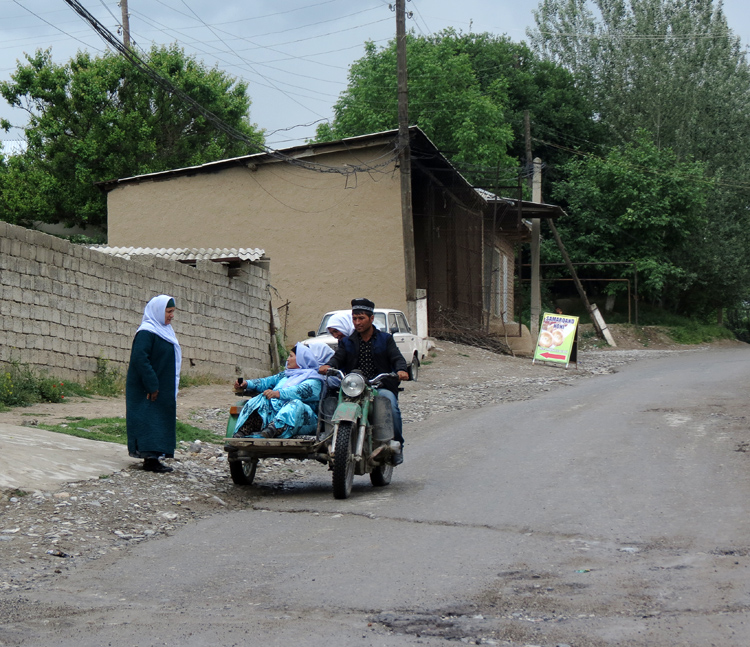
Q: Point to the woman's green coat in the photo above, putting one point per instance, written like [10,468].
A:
[151,425]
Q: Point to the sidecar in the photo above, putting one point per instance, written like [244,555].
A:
[244,453]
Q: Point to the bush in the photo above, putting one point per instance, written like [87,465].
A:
[21,386]
[106,381]
[51,390]
[696,333]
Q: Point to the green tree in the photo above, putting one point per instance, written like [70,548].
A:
[674,69]
[468,92]
[638,204]
[99,118]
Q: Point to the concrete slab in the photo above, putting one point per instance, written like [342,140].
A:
[35,459]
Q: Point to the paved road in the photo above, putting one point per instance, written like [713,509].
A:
[613,512]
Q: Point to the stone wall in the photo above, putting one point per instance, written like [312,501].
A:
[63,306]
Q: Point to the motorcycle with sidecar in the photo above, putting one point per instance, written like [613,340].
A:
[354,435]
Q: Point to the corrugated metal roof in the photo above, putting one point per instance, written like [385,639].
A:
[185,254]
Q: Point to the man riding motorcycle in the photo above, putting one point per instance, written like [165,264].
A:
[372,351]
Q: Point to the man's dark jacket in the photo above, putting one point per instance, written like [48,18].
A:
[385,354]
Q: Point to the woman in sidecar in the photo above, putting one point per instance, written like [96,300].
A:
[286,404]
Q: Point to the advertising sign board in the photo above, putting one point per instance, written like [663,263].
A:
[557,339]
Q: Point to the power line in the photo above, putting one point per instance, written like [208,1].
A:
[275,87]
[232,132]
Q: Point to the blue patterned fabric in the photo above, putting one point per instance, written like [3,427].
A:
[295,410]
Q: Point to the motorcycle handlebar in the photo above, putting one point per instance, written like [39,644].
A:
[334,372]
[379,378]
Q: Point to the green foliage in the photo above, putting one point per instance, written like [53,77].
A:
[107,381]
[21,386]
[114,430]
[100,118]
[467,92]
[738,321]
[82,239]
[282,350]
[669,66]
[638,204]
[696,333]
[51,390]
[675,71]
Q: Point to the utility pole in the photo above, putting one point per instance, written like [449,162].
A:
[125,23]
[404,161]
[536,229]
[527,139]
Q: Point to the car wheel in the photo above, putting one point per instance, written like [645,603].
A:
[414,369]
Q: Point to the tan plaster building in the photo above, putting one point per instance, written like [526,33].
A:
[328,216]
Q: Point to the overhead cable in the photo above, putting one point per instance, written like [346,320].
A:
[232,132]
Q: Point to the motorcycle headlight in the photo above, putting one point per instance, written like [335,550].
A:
[353,385]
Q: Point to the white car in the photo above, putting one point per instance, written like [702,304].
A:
[412,347]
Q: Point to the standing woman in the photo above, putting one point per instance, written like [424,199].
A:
[151,386]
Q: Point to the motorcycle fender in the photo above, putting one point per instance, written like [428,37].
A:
[347,412]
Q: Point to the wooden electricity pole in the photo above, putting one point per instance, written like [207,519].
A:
[125,23]
[404,161]
[536,229]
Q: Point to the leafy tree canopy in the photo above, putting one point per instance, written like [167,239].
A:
[468,92]
[638,204]
[99,118]
[672,67]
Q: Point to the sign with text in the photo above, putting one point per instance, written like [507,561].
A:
[556,338]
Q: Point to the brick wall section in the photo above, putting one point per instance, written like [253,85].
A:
[63,305]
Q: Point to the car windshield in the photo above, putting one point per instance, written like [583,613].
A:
[379,322]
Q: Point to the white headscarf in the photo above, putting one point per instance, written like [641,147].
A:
[341,321]
[153,321]
[309,359]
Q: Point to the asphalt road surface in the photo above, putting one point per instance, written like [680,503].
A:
[612,512]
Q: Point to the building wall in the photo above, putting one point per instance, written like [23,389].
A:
[330,238]
[62,306]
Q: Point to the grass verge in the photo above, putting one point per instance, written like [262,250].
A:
[113,430]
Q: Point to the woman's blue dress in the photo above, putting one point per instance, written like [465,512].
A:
[294,411]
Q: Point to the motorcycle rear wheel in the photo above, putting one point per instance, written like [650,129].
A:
[381,475]
[343,463]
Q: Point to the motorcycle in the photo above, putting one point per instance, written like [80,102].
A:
[354,436]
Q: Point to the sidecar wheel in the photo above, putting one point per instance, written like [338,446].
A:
[343,465]
[381,475]
[243,472]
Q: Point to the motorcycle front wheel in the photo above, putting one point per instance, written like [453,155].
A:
[343,464]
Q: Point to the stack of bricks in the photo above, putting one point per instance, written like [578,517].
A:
[63,306]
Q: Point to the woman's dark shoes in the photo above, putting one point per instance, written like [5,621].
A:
[155,465]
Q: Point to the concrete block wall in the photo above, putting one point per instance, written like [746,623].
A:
[62,306]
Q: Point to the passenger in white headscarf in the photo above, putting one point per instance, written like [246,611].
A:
[287,403]
[340,324]
[151,386]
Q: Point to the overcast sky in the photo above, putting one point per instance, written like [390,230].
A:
[294,54]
